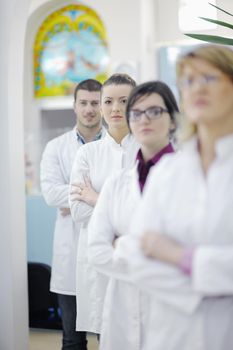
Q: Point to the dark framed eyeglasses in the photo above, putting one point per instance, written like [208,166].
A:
[151,113]
[202,80]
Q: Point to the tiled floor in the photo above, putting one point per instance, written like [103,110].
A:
[51,340]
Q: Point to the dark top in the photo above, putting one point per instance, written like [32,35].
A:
[144,167]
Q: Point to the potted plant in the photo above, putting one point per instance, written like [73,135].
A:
[214,38]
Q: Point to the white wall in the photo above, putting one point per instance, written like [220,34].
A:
[13,273]
[134,27]
[121,18]
[167,28]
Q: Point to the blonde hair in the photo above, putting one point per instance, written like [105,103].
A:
[218,56]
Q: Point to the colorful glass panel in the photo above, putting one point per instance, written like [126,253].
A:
[70,46]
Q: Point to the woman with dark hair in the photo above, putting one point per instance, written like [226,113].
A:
[151,111]
[183,230]
[92,166]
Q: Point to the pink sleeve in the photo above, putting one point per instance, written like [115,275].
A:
[186,261]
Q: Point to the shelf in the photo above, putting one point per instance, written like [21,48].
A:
[53,103]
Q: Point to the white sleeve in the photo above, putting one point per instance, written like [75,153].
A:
[100,231]
[164,281]
[80,211]
[212,270]
[53,185]
[212,266]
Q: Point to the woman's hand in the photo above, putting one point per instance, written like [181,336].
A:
[64,212]
[84,192]
[160,247]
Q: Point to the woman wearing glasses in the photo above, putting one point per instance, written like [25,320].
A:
[184,253]
[150,114]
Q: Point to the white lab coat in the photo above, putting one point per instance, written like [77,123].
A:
[187,313]
[98,161]
[122,311]
[56,165]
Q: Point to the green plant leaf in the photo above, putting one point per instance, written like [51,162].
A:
[220,9]
[211,38]
[221,23]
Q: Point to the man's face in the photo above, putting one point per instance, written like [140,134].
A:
[87,108]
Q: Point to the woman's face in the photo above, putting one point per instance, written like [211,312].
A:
[206,93]
[153,133]
[113,105]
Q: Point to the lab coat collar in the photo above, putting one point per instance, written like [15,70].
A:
[223,147]
[80,138]
[125,141]
[134,179]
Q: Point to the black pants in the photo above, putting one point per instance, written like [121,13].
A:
[72,340]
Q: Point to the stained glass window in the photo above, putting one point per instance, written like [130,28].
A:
[70,46]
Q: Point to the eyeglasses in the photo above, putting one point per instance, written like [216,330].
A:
[151,113]
[202,80]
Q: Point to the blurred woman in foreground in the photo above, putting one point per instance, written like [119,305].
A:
[183,230]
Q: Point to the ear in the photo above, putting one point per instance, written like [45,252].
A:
[101,113]
[74,105]
[173,126]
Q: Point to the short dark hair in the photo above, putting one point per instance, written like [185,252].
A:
[119,79]
[88,85]
[149,88]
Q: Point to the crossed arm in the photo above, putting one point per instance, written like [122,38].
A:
[83,191]
[211,266]
[54,186]
[82,195]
